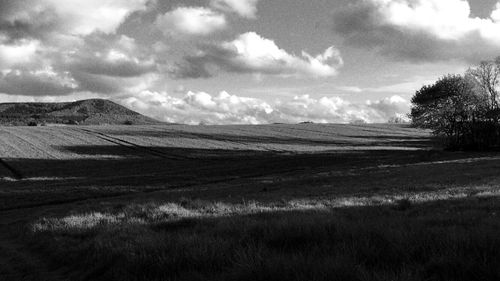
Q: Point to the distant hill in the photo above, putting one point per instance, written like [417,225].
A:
[84,112]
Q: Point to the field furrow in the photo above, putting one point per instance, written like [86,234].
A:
[8,172]
[147,150]
[78,162]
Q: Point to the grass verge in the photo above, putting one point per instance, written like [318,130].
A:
[442,240]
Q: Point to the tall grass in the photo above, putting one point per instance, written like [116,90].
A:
[443,240]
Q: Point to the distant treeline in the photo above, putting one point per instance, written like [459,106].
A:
[463,110]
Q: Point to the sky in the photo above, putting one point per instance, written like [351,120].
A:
[242,61]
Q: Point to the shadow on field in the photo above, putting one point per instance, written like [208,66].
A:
[307,140]
[445,240]
[104,171]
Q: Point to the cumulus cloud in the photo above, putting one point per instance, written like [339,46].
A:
[84,17]
[36,83]
[338,110]
[251,53]
[191,21]
[420,30]
[224,108]
[109,55]
[200,107]
[34,18]
[387,108]
[18,53]
[99,63]
[53,48]
[244,8]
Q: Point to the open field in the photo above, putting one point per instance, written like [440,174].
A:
[73,163]
[275,202]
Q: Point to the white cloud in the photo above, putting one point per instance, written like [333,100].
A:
[200,107]
[18,53]
[495,15]
[386,108]
[191,21]
[84,17]
[244,8]
[446,19]
[71,17]
[251,53]
[338,110]
[420,29]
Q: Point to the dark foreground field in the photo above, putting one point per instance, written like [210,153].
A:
[280,202]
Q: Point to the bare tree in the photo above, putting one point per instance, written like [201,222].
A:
[487,78]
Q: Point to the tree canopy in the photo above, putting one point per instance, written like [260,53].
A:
[462,109]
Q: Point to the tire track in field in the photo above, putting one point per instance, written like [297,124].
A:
[133,146]
[125,194]
[17,175]
[236,140]
[213,184]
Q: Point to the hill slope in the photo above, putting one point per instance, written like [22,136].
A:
[84,112]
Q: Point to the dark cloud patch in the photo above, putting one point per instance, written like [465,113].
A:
[120,68]
[213,59]
[97,84]
[110,55]
[98,63]
[105,63]
[19,29]
[363,25]
[20,20]
[192,67]
[27,83]
[39,83]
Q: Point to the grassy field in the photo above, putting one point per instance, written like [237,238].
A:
[275,202]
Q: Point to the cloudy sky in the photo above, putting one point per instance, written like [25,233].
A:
[241,61]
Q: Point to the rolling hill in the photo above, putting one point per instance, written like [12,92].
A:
[84,112]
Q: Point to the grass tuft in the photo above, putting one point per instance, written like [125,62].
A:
[199,240]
